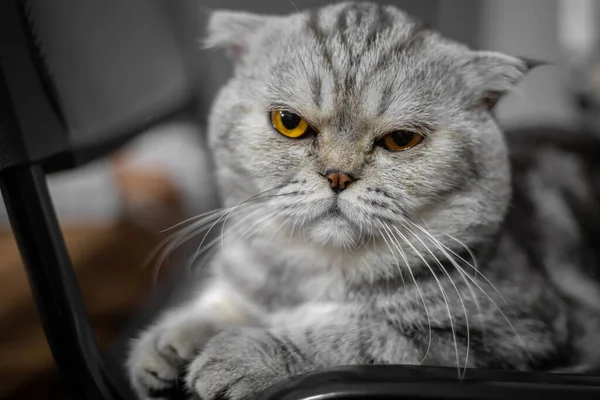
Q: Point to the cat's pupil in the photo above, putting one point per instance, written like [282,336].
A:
[402,138]
[290,120]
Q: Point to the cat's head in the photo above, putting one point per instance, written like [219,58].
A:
[365,120]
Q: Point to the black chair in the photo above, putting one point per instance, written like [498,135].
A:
[77,80]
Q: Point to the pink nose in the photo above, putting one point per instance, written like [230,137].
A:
[338,181]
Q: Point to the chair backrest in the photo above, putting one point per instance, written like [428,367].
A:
[80,77]
[77,79]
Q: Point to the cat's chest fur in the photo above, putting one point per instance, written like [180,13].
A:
[275,279]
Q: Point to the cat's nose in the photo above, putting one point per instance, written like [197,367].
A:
[338,180]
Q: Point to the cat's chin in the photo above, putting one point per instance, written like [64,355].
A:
[335,232]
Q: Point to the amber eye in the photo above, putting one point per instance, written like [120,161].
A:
[289,124]
[400,140]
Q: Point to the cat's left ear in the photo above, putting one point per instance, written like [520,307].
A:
[231,30]
[495,74]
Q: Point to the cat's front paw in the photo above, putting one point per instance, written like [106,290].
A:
[159,357]
[237,364]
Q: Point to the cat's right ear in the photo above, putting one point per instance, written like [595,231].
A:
[494,74]
[230,31]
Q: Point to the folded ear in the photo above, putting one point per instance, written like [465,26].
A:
[231,30]
[494,74]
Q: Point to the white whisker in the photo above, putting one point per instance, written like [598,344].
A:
[487,295]
[294,225]
[267,222]
[185,235]
[478,272]
[422,299]
[285,221]
[475,298]
[252,199]
[493,301]
[386,228]
[442,291]
[176,237]
[208,213]
[462,273]
[436,243]
[243,235]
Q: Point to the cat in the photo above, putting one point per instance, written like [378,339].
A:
[372,216]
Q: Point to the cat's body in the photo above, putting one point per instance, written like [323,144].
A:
[424,257]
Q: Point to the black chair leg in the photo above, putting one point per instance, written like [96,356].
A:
[54,285]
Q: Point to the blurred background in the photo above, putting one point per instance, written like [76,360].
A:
[112,210]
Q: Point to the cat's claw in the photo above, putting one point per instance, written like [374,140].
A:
[234,366]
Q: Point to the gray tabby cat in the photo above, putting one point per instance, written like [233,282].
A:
[383,230]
